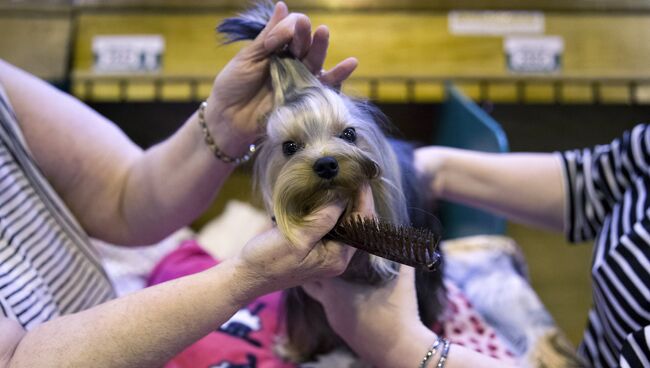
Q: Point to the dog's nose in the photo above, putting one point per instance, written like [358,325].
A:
[326,167]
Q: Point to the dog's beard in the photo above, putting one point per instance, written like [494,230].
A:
[298,192]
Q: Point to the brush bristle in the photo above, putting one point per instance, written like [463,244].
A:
[406,245]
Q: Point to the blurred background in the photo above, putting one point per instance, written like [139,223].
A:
[552,74]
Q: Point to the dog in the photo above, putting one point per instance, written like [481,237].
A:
[321,146]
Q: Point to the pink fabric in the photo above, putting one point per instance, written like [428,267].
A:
[247,340]
[462,325]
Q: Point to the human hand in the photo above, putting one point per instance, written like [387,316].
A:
[382,324]
[271,261]
[242,92]
[373,320]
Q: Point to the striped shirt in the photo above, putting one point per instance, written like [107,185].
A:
[47,265]
[608,201]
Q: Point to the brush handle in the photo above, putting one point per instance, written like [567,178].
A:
[410,246]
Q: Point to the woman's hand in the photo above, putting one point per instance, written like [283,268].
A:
[381,325]
[242,93]
[373,320]
[271,262]
[397,299]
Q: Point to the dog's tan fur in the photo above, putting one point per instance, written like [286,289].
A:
[314,117]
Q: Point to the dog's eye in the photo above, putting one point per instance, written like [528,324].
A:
[289,148]
[349,134]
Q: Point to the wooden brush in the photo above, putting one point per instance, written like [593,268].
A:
[407,245]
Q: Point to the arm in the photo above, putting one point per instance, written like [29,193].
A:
[126,196]
[574,190]
[147,328]
[526,187]
[382,324]
[139,330]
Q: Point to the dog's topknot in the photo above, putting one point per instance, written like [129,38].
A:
[314,117]
[289,76]
[247,25]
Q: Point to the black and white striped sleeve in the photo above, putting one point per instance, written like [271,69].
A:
[636,349]
[596,178]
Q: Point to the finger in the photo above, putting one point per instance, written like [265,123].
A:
[301,41]
[364,202]
[339,73]
[319,223]
[328,289]
[342,250]
[318,51]
[406,275]
[335,257]
[258,49]
[280,12]
[314,289]
[405,283]
[294,30]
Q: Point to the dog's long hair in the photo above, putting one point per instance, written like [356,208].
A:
[321,146]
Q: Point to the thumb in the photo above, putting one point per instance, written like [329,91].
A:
[314,289]
[319,223]
[406,276]
[405,285]
[364,204]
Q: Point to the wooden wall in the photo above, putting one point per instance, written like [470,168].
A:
[394,43]
[38,40]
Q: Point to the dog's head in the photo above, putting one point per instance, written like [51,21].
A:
[322,146]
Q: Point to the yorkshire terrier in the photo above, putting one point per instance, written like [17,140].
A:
[321,146]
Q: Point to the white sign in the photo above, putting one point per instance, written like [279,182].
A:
[534,54]
[495,23]
[132,53]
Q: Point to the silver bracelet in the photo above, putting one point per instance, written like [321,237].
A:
[443,356]
[209,141]
[431,352]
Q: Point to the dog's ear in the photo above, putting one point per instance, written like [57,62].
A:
[289,77]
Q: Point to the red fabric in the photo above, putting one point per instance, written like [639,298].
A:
[247,339]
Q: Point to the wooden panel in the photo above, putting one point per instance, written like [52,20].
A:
[394,43]
[603,44]
[191,46]
[359,5]
[38,44]
[503,92]
[539,93]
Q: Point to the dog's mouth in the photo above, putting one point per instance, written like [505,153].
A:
[303,187]
[300,192]
[309,209]
[360,269]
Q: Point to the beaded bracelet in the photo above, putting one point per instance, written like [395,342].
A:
[443,356]
[209,141]
[431,352]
